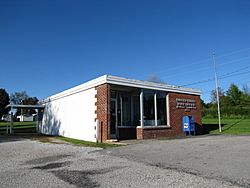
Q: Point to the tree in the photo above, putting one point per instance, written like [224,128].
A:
[214,95]
[203,104]
[30,101]
[204,107]
[4,101]
[224,101]
[234,94]
[18,97]
[23,98]
[245,97]
[233,103]
[245,89]
[155,79]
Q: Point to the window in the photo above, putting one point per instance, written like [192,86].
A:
[126,110]
[149,111]
[135,111]
[161,109]
[155,108]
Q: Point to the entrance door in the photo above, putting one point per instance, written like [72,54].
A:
[113,118]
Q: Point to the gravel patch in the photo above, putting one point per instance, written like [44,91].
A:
[33,164]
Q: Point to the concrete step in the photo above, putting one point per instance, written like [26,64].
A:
[111,140]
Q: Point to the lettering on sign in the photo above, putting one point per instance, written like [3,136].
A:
[185,103]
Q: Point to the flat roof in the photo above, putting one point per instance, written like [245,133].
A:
[123,82]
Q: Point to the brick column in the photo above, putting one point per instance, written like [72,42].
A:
[139,133]
[103,112]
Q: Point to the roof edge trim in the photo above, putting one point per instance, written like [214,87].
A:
[150,85]
[124,82]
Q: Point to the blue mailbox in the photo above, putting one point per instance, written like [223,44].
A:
[188,125]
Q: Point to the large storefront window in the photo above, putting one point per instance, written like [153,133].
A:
[149,111]
[126,108]
[161,109]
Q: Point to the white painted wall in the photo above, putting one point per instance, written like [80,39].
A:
[71,116]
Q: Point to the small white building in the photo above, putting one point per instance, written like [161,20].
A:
[111,107]
[25,117]
[5,118]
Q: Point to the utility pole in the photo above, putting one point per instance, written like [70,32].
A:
[217,91]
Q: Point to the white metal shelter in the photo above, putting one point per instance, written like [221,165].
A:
[39,108]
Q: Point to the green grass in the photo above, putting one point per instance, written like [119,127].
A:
[23,127]
[30,127]
[229,126]
[87,143]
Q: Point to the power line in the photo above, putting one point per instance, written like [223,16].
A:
[209,91]
[238,70]
[199,82]
[220,77]
[205,68]
[234,75]
[207,59]
[210,79]
[230,62]
[233,52]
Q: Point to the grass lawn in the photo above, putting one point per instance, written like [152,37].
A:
[86,143]
[19,127]
[229,126]
[30,127]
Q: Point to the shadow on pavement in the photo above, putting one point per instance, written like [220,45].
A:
[207,128]
[19,137]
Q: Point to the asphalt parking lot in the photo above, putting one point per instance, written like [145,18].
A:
[213,161]
[224,158]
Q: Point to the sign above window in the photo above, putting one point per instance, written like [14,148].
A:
[185,103]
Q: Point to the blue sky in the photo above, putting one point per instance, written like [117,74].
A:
[51,45]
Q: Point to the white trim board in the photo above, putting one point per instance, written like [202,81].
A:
[150,85]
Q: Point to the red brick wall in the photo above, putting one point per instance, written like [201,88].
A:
[177,113]
[102,112]
[139,133]
[127,133]
[154,132]
[175,129]
[175,119]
